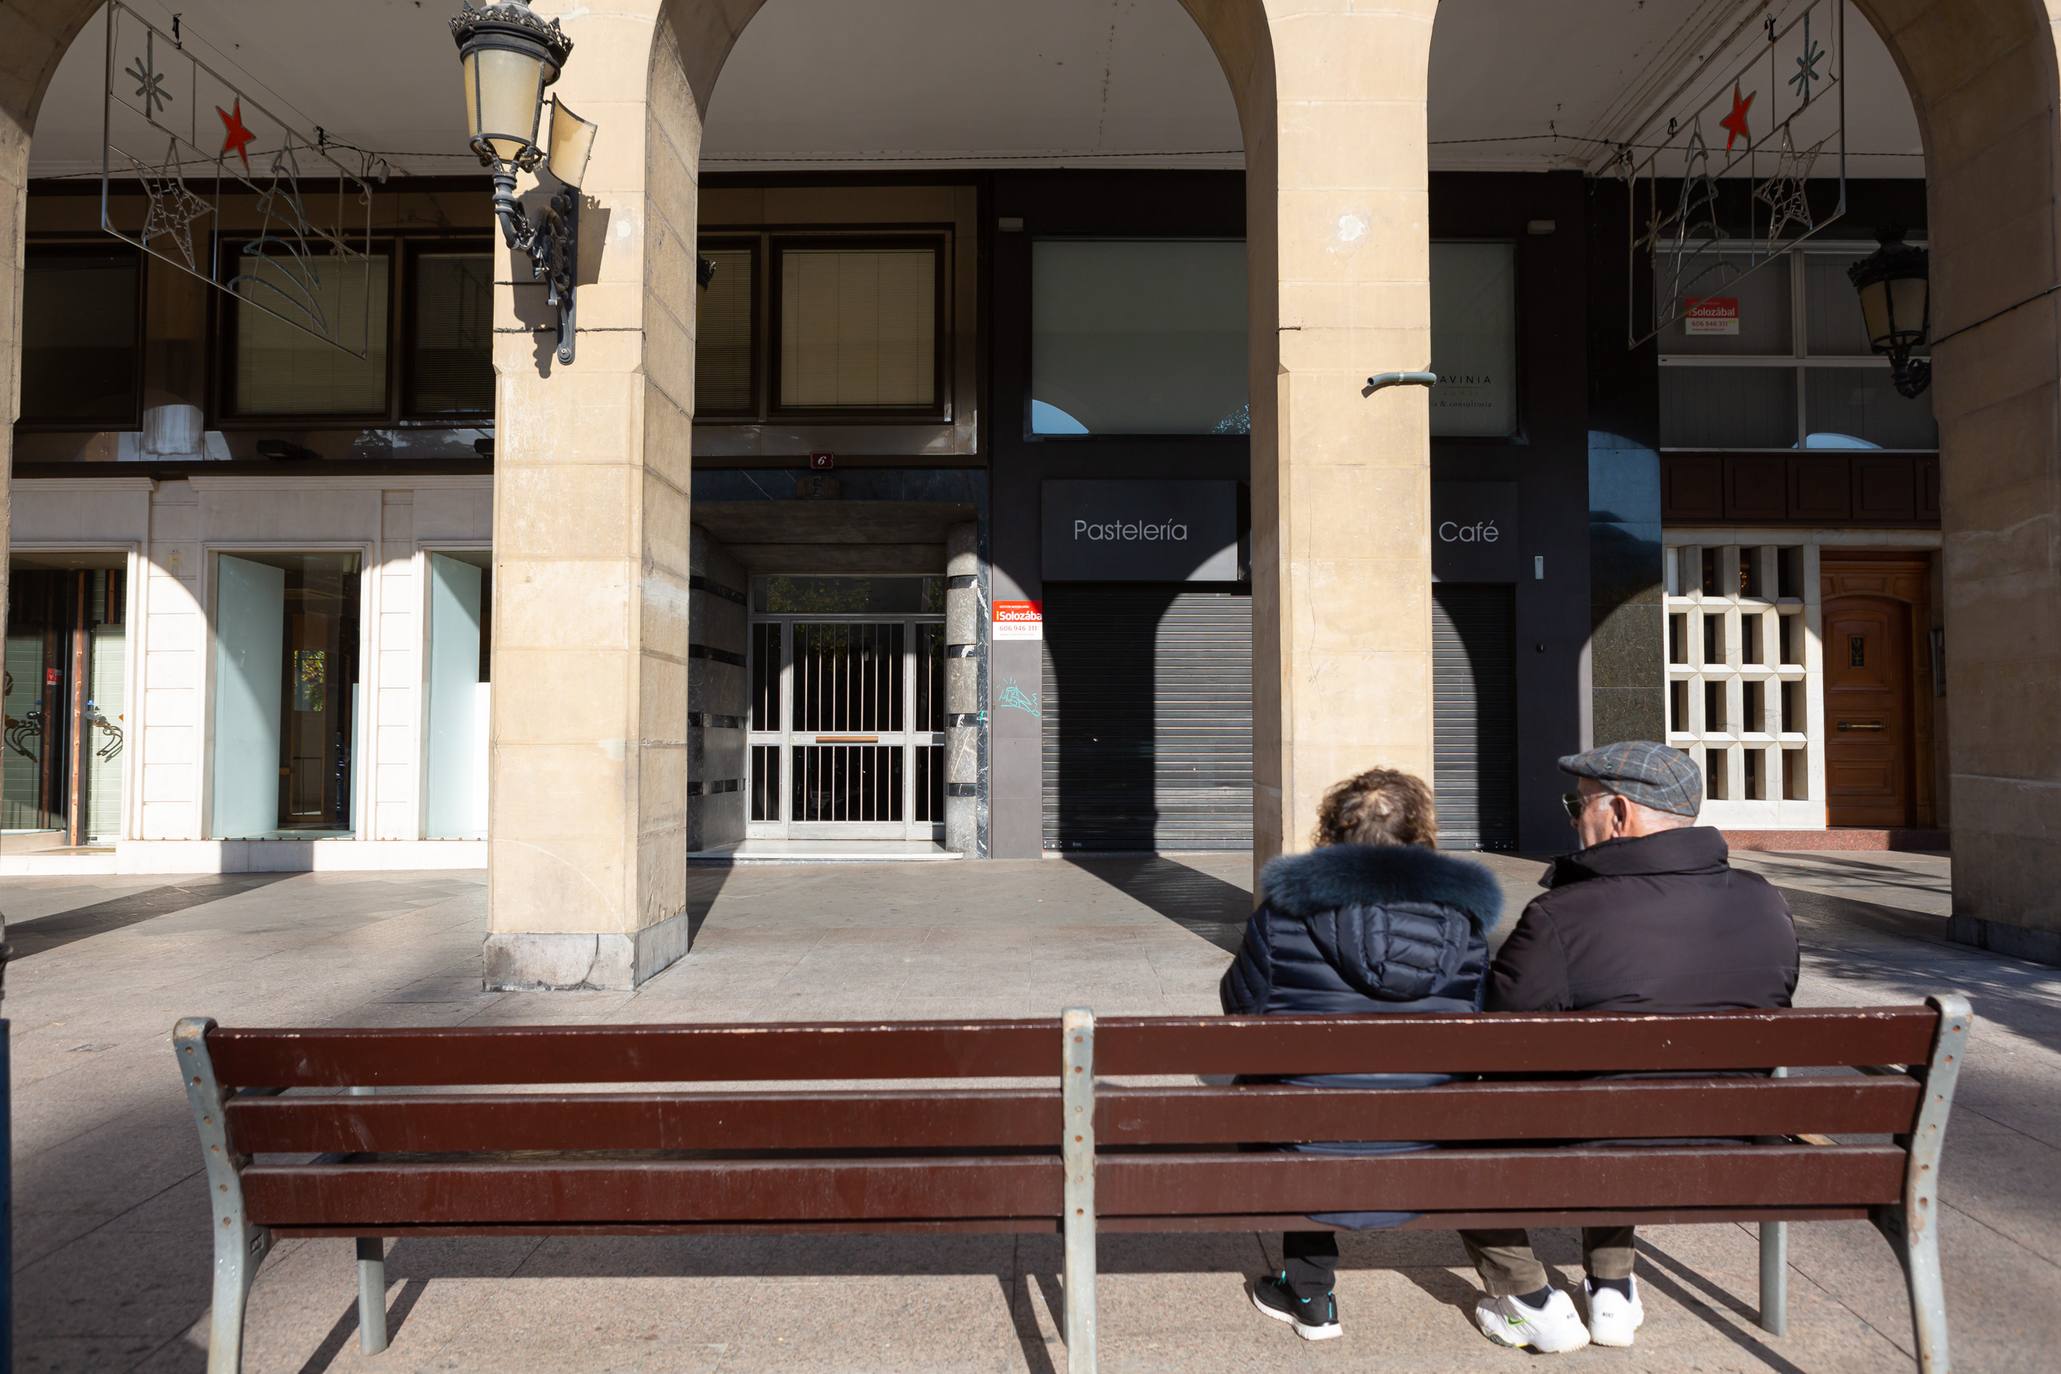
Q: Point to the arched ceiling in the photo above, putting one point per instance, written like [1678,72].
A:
[853,84]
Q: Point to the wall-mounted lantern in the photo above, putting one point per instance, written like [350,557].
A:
[508,55]
[1895,287]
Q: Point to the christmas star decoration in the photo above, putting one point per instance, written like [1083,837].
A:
[1734,124]
[150,82]
[1785,193]
[235,137]
[173,208]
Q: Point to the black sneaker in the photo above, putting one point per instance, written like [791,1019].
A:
[1314,1319]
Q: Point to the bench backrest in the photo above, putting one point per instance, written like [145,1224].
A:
[689,1147]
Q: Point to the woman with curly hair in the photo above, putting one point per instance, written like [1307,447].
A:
[1374,919]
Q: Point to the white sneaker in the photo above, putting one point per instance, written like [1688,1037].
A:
[1612,1316]
[1551,1329]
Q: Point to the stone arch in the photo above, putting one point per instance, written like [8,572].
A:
[587,878]
[1984,80]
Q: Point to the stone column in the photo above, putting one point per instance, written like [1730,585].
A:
[964,604]
[33,39]
[1339,280]
[587,864]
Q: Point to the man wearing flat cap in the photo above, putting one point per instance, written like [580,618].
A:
[1648,915]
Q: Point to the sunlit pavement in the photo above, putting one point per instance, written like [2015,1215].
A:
[111,1233]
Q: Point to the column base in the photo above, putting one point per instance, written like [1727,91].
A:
[1999,937]
[552,961]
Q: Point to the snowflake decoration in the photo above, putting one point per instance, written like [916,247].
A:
[150,82]
[1807,74]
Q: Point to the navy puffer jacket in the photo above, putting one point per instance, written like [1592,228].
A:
[1353,928]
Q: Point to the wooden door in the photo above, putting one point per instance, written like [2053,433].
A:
[1870,692]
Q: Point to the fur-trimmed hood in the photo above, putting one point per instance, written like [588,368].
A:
[1347,875]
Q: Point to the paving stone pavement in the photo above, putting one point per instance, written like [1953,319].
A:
[111,1256]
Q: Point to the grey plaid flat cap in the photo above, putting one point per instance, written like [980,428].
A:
[1642,771]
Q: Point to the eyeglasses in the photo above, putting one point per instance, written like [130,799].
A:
[1574,803]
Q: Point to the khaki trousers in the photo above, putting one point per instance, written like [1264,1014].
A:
[1509,1269]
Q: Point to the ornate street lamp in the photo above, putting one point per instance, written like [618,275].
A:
[1896,305]
[508,55]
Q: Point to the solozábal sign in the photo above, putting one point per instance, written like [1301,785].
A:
[1140,531]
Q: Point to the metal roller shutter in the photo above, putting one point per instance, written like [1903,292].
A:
[1147,705]
[1474,714]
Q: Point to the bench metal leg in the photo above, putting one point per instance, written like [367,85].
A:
[1912,1228]
[239,1247]
[1077,1151]
[371,1294]
[1774,1277]
[1774,1269]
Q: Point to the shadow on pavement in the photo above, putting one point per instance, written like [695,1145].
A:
[1200,903]
[41,933]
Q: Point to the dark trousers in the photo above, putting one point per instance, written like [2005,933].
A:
[1509,1269]
[1311,1260]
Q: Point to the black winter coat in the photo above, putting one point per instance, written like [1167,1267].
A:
[1358,928]
[1661,923]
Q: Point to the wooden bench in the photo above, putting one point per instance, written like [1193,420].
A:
[440,1132]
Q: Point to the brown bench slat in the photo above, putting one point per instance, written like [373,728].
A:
[1029,1118]
[462,1056]
[378,1194]
[1515,1043]
[1221,1223]
[1496,1043]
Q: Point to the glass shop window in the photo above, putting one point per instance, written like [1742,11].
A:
[64,704]
[1138,336]
[460,651]
[286,692]
[1782,362]
[1474,339]
[81,332]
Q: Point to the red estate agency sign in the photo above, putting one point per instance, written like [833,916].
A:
[1710,315]
[1019,620]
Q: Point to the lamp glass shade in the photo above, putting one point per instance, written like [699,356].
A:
[504,92]
[1909,299]
[572,143]
[1875,314]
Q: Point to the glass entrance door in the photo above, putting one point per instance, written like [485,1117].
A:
[847,712]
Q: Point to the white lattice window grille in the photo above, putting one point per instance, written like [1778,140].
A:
[1744,678]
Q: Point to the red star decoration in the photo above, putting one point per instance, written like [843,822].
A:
[1734,124]
[236,137]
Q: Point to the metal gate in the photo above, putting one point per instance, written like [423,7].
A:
[847,727]
[1147,706]
[1474,714]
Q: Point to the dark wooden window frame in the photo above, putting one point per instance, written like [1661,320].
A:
[412,249]
[938,238]
[754,245]
[400,250]
[93,246]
